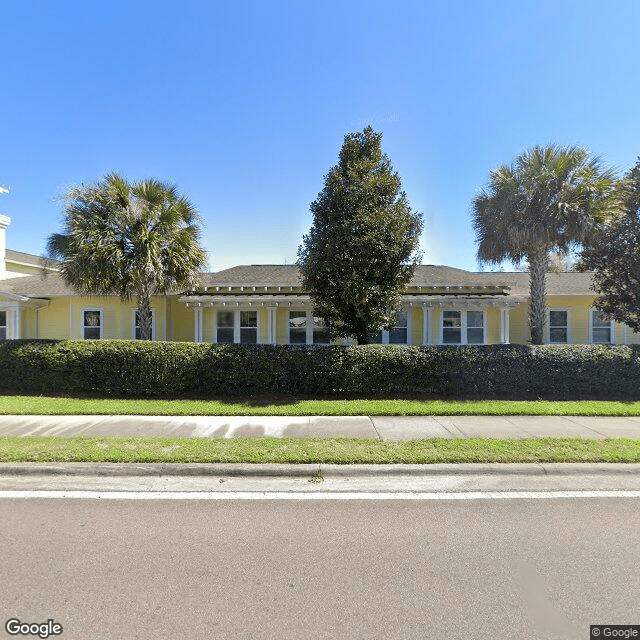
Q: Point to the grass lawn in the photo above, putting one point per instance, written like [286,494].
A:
[45,405]
[314,450]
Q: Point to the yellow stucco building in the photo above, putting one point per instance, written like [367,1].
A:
[265,304]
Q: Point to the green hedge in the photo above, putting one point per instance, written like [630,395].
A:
[133,368]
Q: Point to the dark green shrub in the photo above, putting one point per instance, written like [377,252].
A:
[135,368]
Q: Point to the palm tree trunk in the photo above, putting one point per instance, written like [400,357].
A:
[538,267]
[144,313]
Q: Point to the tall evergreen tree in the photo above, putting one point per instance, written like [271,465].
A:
[548,199]
[613,255]
[132,240]
[362,248]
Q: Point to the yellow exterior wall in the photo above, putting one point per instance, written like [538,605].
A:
[208,317]
[577,317]
[263,325]
[631,338]
[182,322]
[53,320]
[519,323]
[61,319]
[14,267]
[492,324]
[579,308]
[282,315]
[28,323]
[436,319]
[416,326]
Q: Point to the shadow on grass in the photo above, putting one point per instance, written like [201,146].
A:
[282,400]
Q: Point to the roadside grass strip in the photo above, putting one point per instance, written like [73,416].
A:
[46,405]
[315,450]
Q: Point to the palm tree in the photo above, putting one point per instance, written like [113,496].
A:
[549,198]
[130,239]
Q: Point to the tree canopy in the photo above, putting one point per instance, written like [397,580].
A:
[613,254]
[129,239]
[549,198]
[361,251]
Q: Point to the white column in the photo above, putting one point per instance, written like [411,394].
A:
[17,325]
[197,312]
[426,325]
[504,326]
[271,328]
[309,327]
[409,312]
[236,326]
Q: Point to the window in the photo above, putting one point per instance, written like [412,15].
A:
[558,326]
[462,327]
[475,327]
[320,331]
[137,330]
[297,327]
[248,327]
[3,325]
[224,330]
[398,333]
[452,327]
[236,326]
[305,328]
[92,324]
[601,329]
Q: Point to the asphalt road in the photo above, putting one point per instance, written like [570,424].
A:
[516,569]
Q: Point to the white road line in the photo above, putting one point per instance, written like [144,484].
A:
[305,495]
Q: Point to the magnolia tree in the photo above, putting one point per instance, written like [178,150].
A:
[361,251]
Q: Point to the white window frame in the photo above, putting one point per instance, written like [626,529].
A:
[310,325]
[133,324]
[463,327]
[215,324]
[308,329]
[5,326]
[547,328]
[100,310]
[236,323]
[238,327]
[612,328]
[407,312]
[386,332]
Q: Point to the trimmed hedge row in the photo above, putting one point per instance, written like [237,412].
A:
[133,368]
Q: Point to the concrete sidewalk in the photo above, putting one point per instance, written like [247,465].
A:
[388,428]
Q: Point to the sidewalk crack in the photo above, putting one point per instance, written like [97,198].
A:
[584,426]
[373,424]
[459,433]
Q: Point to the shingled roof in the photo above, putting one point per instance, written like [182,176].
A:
[27,258]
[569,284]
[266,275]
[40,286]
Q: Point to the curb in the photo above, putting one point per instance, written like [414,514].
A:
[98,469]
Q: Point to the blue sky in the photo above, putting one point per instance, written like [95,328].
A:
[244,105]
